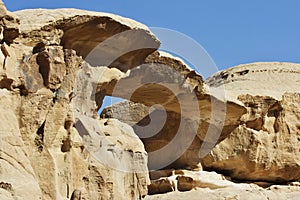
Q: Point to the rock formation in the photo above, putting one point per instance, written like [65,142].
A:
[56,67]
[43,130]
[192,115]
[265,147]
[218,188]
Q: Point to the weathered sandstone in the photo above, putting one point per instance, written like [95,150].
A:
[57,66]
[45,134]
[183,184]
[182,108]
[102,39]
[265,147]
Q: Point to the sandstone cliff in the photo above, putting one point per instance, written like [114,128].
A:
[55,73]
[43,136]
[56,67]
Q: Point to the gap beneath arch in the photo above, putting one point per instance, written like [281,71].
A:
[108,101]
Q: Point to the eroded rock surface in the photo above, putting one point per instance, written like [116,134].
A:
[184,184]
[56,67]
[9,26]
[185,121]
[238,192]
[271,79]
[17,176]
[47,118]
[118,164]
[266,146]
[169,82]
[102,39]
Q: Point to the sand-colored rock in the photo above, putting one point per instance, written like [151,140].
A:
[56,67]
[246,192]
[258,79]
[44,155]
[3,10]
[168,81]
[9,26]
[266,146]
[183,184]
[102,39]
[118,164]
[184,180]
[17,176]
[86,99]
[182,108]
[156,129]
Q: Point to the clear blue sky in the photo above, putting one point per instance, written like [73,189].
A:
[233,31]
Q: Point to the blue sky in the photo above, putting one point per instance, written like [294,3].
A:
[232,32]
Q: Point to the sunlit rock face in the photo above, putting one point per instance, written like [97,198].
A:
[56,67]
[265,147]
[49,115]
[102,39]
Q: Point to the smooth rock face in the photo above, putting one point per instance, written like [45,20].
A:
[266,146]
[258,79]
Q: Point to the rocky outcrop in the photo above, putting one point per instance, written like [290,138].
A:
[265,146]
[47,149]
[182,108]
[157,129]
[177,88]
[102,39]
[183,180]
[59,93]
[56,67]
[246,191]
